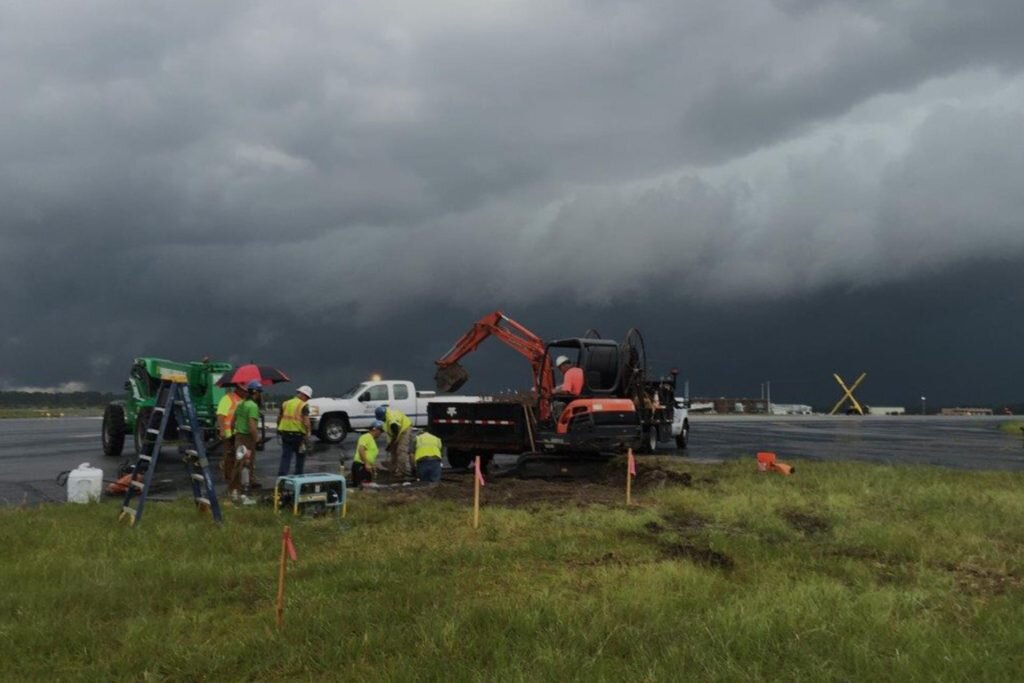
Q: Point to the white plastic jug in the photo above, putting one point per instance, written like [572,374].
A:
[84,484]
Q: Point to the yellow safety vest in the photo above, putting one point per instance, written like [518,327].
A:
[427,446]
[291,416]
[370,444]
[226,413]
[396,417]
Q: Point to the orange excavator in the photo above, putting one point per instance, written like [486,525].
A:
[546,428]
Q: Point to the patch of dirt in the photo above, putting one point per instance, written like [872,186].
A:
[982,581]
[605,487]
[526,493]
[681,524]
[701,555]
[655,477]
[807,523]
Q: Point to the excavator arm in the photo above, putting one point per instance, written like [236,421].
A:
[451,376]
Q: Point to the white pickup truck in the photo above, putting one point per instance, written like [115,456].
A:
[333,418]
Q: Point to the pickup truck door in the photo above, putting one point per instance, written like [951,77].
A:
[404,399]
[369,398]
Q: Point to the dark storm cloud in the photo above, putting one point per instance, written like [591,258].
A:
[306,176]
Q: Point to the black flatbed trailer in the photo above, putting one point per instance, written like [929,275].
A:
[509,427]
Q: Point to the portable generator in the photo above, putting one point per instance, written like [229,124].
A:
[310,494]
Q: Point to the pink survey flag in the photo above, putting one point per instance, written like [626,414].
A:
[479,474]
[632,463]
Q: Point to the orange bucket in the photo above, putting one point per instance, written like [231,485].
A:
[765,461]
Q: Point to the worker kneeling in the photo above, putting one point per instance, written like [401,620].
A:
[428,458]
[364,462]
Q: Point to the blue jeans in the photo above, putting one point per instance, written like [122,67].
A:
[289,447]
[428,470]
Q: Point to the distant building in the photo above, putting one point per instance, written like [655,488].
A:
[726,406]
[887,410]
[791,409]
[965,411]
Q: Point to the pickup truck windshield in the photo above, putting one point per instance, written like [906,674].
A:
[351,393]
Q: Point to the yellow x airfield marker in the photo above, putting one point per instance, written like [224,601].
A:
[848,394]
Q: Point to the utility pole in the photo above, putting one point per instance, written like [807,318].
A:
[768,384]
[924,409]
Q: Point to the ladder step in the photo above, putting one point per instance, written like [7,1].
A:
[204,501]
[191,452]
[185,427]
[199,477]
[138,484]
[147,458]
[159,408]
[153,431]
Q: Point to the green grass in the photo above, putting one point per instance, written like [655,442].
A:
[1012,426]
[842,572]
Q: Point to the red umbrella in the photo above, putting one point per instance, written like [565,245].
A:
[244,374]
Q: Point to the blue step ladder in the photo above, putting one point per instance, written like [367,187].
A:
[172,398]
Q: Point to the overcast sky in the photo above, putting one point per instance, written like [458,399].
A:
[768,190]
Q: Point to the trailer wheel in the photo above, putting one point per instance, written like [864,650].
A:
[333,429]
[113,430]
[459,460]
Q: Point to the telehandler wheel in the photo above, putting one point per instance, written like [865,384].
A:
[113,430]
[333,429]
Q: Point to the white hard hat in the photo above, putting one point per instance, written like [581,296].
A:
[560,360]
[307,390]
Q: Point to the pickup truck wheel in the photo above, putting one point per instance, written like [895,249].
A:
[684,436]
[333,429]
[113,430]
[651,440]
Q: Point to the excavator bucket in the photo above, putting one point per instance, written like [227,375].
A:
[451,378]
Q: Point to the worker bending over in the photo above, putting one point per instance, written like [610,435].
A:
[398,428]
[247,417]
[293,428]
[364,462]
[428,458]
[572,381]
[226,429]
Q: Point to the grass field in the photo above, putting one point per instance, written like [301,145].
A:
[1012,426]
[843,571]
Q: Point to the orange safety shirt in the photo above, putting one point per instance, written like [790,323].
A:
[573,382]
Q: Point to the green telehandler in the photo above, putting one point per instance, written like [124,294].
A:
[132,414]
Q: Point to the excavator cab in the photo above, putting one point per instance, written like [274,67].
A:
[602,411]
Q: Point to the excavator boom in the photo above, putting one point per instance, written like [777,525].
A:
[451,376]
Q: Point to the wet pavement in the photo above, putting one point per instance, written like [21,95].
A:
[34,451]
